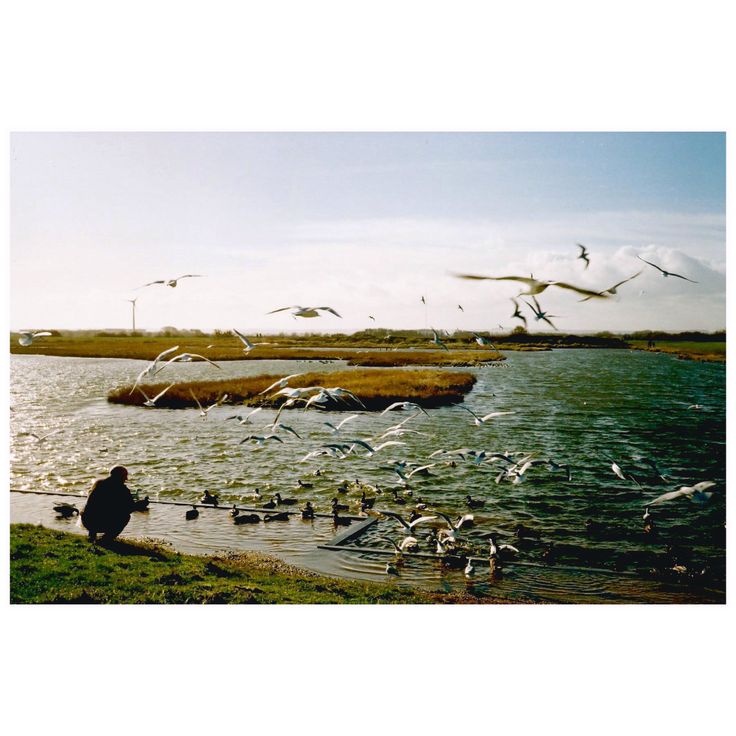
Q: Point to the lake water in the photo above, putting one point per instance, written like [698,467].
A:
[579,407]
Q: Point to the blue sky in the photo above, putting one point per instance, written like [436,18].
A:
[366,223]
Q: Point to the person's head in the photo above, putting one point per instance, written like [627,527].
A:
[119,473]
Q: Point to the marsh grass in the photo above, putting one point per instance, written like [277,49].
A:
[49,566]
[711,352]
[377,388]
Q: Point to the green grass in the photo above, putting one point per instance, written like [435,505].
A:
[375,387]
[49,566]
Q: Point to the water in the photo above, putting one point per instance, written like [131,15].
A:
[580,407]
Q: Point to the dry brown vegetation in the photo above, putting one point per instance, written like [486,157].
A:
[376,388]
[450,358]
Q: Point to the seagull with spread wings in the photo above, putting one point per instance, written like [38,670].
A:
[583,255]
[172,282]
[539,314]
[534,285]
[611,290]
[666,273]
[478,420]
[517,313]
[298,311]
[28,336]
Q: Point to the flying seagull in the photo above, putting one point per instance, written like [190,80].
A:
[152,402]
[305,311]
[423,302]
[187,358]
[478,420]
[172,282]
[666,273]
[611,290]
[436,340]
[153,367]
[460,308]
[484,340]
[517,313]
[403,405]
[539,314]
[281,383]
[584,255]
[28,336]
[697,494]
[534,285]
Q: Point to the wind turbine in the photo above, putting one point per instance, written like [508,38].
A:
[133,301]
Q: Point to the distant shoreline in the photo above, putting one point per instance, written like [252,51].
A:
[403,349]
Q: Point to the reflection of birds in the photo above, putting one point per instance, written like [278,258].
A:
[305,311]
[583,254]
[539,314]
[611,290]
[172,282]
[666,273]
[534,285]
[698,493]
[152,402]
[28,336]
[517,313]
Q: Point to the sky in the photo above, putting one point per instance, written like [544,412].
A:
[366,223]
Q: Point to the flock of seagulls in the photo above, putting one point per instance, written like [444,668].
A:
[445,535]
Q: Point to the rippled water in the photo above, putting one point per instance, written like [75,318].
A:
[576,406]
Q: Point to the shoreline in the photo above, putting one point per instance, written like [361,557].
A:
[49,566]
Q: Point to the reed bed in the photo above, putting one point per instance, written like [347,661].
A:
[377,388]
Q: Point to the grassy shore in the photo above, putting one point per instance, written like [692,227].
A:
[377,388]
[57,567]
[711,352]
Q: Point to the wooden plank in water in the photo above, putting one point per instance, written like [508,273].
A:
[352,531]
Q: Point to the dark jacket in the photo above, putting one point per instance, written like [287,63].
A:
[108,505]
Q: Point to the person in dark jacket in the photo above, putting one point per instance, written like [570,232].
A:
[108,506]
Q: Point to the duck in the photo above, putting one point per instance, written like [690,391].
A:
[280,516]
[366,502]
[398,499]
[474,503]
[343,487]
[209,499]
[308,511]
[340,520]
[338,506]
[391,569]
[141,504]
[66,510]
[193,513]
[269,504]
[285,501]
[247,519]
[524,532]
[234,511]
[302,484]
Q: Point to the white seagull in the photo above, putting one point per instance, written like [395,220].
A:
[534,285]
[202,411]
[281,383]
[697,494]
[403,405]
[336,428]
[666,273]
[245,419]
[478,420]
[298,311]
[152,402]
[153,367]
[28,336]
[172,282]
[187,358]
[408,525]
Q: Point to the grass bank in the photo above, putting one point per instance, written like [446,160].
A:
[377,388]
[711,352]
[57,567]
